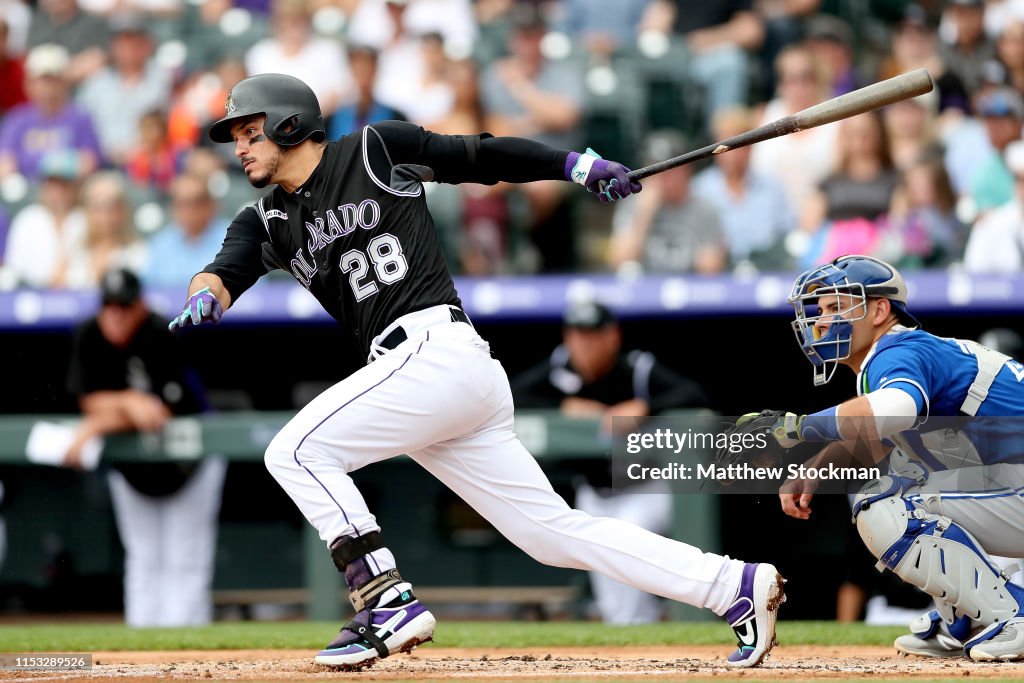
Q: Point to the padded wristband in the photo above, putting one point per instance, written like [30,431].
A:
[821,426]
[581,169]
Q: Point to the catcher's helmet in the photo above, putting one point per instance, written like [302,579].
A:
[857,278]
[292,110]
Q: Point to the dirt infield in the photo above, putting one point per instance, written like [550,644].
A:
[667,663]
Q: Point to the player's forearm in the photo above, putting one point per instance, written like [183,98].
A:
[519,160]
[480,158]
[549,111]
[574,406]
[867,419]
[629,245]
[106,412]
[659,16]
[214,284]
[8,165]
[102,402]
[744,30]
[624,249]
[870,418]
[634,407]
[91,427]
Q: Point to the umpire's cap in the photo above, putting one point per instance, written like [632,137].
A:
[292,110]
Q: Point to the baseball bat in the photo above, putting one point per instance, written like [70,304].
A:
[904,86]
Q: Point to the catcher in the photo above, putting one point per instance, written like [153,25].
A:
[941,412]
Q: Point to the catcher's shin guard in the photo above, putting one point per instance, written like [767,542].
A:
[937,555]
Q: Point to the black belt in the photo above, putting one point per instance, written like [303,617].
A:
[398,335]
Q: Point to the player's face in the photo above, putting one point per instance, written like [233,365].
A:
[260,157]
[592,352]
[118,324]
[835,307]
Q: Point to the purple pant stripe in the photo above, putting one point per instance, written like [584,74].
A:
[295,454]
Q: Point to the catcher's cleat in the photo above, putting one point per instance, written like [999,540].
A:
[931,636]
[999,642]
[1002,641]
[379,631]
[753,612]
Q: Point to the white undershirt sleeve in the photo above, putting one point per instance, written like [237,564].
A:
[894,409]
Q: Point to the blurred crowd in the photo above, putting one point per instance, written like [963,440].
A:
[104,161]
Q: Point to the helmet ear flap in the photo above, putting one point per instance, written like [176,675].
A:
[291,130]
[291,107]
[287,129]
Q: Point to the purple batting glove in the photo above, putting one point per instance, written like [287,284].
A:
[607,179]
[201,307]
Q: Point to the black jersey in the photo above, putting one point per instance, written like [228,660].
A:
[151,362]
[358,235]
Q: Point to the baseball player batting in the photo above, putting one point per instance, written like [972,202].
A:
[946,413]
[349,221]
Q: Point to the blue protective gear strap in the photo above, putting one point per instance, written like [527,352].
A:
[821,426]
[890,485]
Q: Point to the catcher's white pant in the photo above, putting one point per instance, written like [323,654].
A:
[987,501]
[440,398]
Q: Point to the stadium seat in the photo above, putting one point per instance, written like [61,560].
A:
[673,98]
[613,119]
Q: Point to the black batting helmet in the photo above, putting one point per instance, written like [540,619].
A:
[292,110]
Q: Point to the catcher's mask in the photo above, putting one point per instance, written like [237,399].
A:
[854,279]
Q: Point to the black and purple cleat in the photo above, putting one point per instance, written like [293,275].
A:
[752,615]
[374,633]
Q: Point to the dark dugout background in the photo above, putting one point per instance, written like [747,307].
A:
[745,364]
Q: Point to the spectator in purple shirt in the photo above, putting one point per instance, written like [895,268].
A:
[5,226]
[48,122]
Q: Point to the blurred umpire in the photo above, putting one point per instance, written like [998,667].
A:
[589,375]
[129,375]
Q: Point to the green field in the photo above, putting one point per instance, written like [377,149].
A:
[313,635]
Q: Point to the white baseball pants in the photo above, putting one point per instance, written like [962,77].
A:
[440,398]
[169,547]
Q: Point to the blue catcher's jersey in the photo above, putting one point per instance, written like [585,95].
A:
[937,372]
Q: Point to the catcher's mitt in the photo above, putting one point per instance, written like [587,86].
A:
[751,440]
